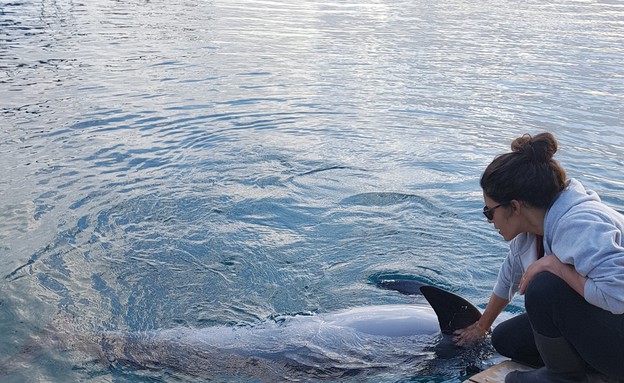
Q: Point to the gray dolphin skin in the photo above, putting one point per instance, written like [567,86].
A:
[350,342]
[356,338]
[453,311]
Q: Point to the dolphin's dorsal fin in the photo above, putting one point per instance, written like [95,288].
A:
[453,311]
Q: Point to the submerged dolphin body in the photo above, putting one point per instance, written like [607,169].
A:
[354,342]
[324,346]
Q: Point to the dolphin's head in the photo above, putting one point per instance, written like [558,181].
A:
[402,285]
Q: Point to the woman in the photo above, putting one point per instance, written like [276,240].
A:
[567,259]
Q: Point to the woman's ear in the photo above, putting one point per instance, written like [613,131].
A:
[516,205]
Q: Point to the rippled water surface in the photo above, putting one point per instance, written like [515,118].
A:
[205,163]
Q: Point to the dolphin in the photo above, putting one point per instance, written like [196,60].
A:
[355,341]
[453,311]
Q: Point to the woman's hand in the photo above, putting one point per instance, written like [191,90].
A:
[469,335]
[546,263]
[477,331]
[552,264]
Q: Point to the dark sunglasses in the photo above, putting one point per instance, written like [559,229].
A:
[488,212]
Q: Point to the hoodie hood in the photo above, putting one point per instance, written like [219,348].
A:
[574,194]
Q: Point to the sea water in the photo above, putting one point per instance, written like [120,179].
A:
[227,163]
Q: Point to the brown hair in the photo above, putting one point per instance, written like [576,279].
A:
[528,173]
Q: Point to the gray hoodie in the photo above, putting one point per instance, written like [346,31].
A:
[581,231]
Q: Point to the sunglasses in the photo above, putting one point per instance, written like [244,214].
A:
[488,212]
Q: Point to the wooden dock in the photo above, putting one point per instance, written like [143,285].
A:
[497,373]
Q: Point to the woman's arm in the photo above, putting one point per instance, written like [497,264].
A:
[477,331]
[591,240]
[552,264]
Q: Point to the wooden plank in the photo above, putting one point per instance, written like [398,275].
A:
[497,373]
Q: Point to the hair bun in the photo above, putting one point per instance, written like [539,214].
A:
[541,147]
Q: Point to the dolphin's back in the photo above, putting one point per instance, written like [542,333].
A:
[348,341]
[388,320]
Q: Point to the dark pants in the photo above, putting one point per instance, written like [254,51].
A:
[555,310]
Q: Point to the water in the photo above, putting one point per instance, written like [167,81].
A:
[224,163]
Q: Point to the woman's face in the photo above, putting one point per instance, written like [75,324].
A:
[504,219]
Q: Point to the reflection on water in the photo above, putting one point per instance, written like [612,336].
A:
[220,163]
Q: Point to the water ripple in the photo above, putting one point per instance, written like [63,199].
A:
[214,163]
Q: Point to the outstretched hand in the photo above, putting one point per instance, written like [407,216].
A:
[469,335]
